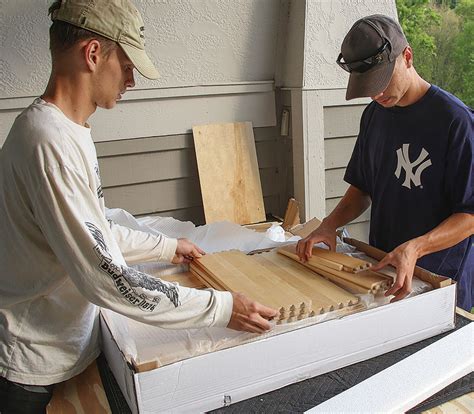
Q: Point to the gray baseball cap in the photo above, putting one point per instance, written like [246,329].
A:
[369,52]
[117,20]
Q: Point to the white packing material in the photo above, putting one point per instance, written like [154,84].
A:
[276,233]
[410,381]
[212,238]
[144,343]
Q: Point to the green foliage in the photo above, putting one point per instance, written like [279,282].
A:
[441,34]
[416,18]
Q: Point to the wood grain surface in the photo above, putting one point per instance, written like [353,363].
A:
[83,394]
[228,173]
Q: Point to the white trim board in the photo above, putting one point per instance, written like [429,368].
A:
[410,381]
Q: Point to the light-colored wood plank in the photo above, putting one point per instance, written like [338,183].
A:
[350,264]
[292,215]
[367,279]
[346,284]
[325,296]
[305,229]
[228,173]
[324,256]
[466,314]
[186,279]
[81,394]
[237,272]
[461,405]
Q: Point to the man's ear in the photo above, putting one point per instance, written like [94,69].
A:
[408,57]
[92,54]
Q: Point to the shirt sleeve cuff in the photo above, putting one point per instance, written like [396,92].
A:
[169,249]
[225,303]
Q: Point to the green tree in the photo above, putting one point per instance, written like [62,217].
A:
[416,18]
[463,54]
[445,36]
[441,34]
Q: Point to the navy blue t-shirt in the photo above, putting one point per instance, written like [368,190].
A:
[416,163]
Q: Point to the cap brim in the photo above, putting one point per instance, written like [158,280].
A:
[141,61]
[369,83]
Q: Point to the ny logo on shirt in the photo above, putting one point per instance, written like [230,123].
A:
[413,169]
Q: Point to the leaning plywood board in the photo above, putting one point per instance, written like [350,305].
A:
[228,173]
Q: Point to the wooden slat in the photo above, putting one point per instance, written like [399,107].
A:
[238,272]
[292,215]
[350,264]
[186,279]
[273,279]
[423,274]
[367,279]
[324,295]
[228,173]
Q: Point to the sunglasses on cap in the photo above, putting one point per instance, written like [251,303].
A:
[364,65]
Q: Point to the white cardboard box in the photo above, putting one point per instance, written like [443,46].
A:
[223,377]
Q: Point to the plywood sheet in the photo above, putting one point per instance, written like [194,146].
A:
[83,393]
[228,173]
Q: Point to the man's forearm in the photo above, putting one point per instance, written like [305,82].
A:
[352,205]
[451,231]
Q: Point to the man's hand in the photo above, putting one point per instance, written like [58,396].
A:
[324,233]
[186,252]
[403,258]
[250,316]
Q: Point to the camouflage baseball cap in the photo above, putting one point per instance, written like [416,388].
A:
[117,20]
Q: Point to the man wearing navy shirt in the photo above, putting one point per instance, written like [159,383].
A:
[413,161]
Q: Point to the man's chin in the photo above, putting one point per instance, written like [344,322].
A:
[389,103]
[108,105]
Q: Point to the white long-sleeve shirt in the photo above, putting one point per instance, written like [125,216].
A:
[61,259]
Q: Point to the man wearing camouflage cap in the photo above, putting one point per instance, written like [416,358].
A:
[62,258]
[413,162]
